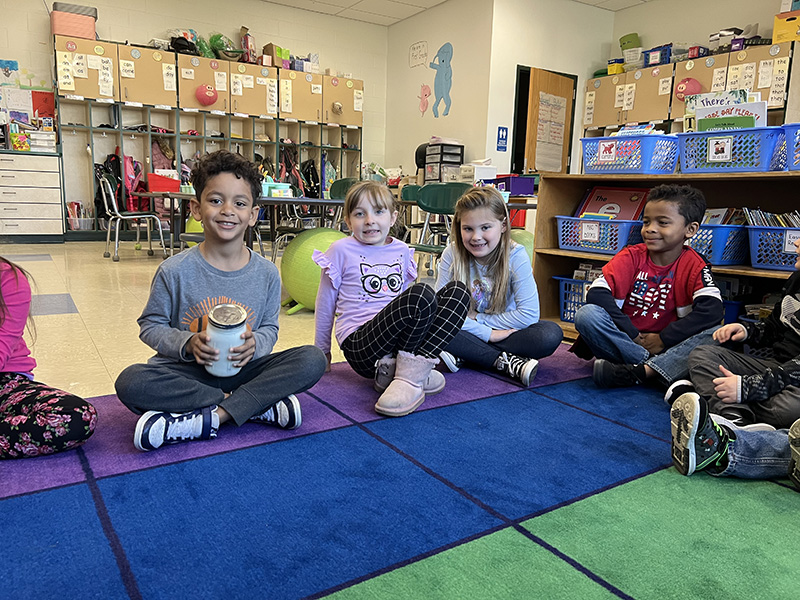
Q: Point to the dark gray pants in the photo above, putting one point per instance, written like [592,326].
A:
[537,341]
[181,387]
[781,410]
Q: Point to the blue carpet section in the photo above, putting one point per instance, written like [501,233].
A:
[522,452]
[284,520]
[52,304]
[54,547]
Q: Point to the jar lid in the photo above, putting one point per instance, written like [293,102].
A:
[227,316]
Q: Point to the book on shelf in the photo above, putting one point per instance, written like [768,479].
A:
[725,123]
[724,216]
[755,110]
[762,218]
[613,203]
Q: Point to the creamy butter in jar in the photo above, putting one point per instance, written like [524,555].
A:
[226,324]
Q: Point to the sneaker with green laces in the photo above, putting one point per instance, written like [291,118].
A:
[697,441]
[794,445]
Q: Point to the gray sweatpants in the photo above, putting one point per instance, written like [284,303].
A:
[781,410]
[181,387]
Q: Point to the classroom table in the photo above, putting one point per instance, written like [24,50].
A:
[273,203]
[176,218]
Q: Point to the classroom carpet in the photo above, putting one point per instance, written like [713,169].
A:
[489,490]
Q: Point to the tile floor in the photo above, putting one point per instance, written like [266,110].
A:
[85,309]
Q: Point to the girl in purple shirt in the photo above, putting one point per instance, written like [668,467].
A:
[34,419]
[389,328]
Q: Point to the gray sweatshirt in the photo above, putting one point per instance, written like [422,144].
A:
[185,287]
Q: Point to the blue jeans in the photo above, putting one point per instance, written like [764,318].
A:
[758,455]
[607,341]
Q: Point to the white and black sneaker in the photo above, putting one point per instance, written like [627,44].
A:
[285,414]
[155,429]
[453,363]
[518,367]
[678,389]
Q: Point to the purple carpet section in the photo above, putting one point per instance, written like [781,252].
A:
[110,451]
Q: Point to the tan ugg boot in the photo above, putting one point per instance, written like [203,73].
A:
[384,373]
[405,393]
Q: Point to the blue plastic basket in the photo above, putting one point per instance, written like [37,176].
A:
[766,248]
[612,234]
[792,131]
[634,154]
[571,296]
[722,244]
[756,149]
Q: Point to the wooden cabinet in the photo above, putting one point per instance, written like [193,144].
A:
[300,95]
[202,78]
[147,76]
[343,100]
[562,194]
[763,69]
[254,90]
[30,195]
[87,68]
[710,72]
[650,98]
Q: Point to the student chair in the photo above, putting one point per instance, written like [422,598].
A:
[117,216]
[437,199]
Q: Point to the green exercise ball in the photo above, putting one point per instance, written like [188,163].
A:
[525,239]
[299,273]
[193,226]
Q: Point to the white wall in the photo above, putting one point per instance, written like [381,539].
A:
[663,21]
[467,25]
[346,45]
[566,37]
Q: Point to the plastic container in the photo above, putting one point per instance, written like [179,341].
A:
[601,236]
[571,296]
[770,248]
[642,154]
[722,244]
[226,324]
[792,132]
[731,311]
[756,149]
[76,224]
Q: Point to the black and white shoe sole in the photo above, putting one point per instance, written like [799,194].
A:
[678,389]
[794,445]
[684,419]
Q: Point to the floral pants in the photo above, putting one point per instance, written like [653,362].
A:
[36,419]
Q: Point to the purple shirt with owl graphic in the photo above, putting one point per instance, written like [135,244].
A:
[357,281]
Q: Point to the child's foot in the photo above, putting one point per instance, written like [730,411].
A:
[155,429]
[678,389]
[794,444]
[517,367]
[734,425]
[453,363]
[384,373]
[697,441]
[610,375]
[285,414]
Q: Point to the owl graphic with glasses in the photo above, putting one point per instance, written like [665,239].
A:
[381,279]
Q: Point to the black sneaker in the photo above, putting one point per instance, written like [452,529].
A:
[794,445]
[678,389]
[285,414]
[610,375]
[697,441]
[155,429]
[517,367]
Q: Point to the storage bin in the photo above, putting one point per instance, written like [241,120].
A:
[640,154]
[756,149]
[160,183]
[515,185]
[731,311]
[76,224]
[276,190]
[722,244]
[771,247]
[792,132]
[73,20]
[571,296]
[601,236]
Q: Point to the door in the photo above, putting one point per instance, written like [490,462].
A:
[87,68]
[254,90]
[550,102]
[203,83]
[301,95]
[147,76]
[343,100]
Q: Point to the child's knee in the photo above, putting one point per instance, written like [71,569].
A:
[587,315]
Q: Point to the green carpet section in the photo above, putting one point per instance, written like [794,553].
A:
[504,564]
[670,536]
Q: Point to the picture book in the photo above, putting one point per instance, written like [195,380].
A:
[714,99]
[724,216]
[613,202]
[19,142]
[756,110]
[725,123]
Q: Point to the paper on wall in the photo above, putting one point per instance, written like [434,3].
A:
[664,86]
[718,79]
[588,109]
[358,100]
[247,81]
[93,61]
[619,96]
[630,96]
[261,81]
[780,73]
[734,77]
[748,75]
[236,84]
[168,77]
[221,81]
[64,71]
[127,69]
[272,96]
[18,100]
[316,88]
[286,95]
[187,73]
[550,132]
[79,68]
[764,74]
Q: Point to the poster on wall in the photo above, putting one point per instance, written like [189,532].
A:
[550,132]
[442,78]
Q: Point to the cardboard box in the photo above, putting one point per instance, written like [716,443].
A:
[265,60]
[698,51]
[473,173]
[786,27]
[273,51]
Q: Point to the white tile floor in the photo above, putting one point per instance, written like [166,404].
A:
[84,352]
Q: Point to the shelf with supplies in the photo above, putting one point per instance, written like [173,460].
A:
[561,195]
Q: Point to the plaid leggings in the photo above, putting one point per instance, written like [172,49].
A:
[36,419]
[419,321]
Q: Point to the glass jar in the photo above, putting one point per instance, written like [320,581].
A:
[226,324]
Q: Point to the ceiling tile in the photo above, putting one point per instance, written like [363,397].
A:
[358,15]
[616,5]
[328,7]
[387,8]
